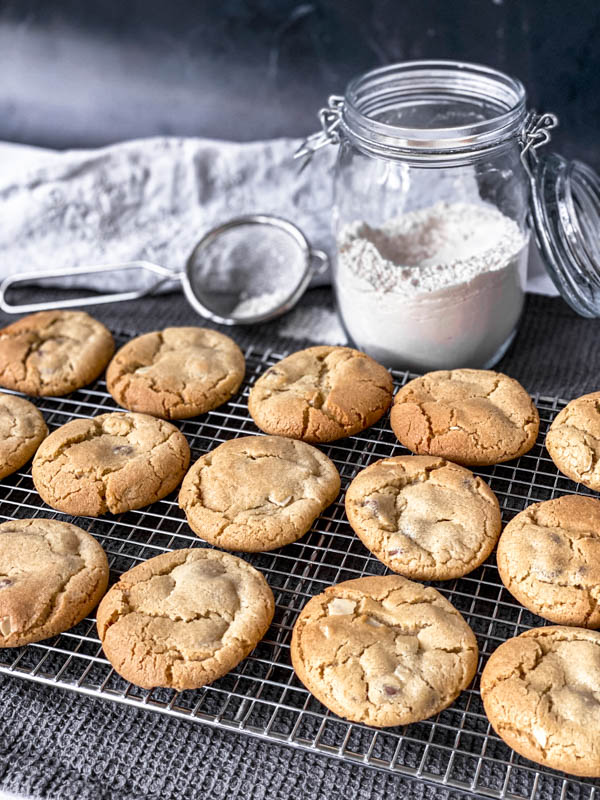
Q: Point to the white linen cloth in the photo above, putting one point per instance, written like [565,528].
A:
[153,199]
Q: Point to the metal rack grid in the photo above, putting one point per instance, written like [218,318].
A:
[262,697]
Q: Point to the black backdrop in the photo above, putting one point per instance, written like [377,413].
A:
[87,72]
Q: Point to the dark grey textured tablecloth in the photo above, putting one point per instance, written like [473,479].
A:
[56,744]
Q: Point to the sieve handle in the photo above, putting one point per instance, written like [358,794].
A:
[164,275]
[321,260]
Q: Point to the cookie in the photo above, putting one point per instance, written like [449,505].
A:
[549,559]
[52,574]
[183,619]
[424,517]
[22,428]
[541,693]
[176,373]
[573,440]
[321,394]
[258,492]
[383,650]
[471,416]
[53,352]
[115,462]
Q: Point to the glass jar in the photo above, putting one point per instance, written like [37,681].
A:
[431,202]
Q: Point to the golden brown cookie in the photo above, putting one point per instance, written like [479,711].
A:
[424,517]
[549,559]
[573,440]
[114,462]
[52,574]
[53,352]
[176,373]
[258,492]
[470,416]
[321,394]
[541,693]
[183,619]
[383,650]
[22,428]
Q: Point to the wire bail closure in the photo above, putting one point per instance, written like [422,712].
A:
[330,118]
[536,133]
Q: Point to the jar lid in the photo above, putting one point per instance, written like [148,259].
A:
[565,216]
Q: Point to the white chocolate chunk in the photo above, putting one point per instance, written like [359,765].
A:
[540,734]
[281,503]
[340,605]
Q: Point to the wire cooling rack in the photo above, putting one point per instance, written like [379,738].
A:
[262,697]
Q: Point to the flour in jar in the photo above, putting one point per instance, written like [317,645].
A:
[437,288]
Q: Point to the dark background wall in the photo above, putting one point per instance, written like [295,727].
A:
[77,72]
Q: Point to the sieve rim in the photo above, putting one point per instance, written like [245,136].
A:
[250,219]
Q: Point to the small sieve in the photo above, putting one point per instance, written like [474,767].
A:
[248,270]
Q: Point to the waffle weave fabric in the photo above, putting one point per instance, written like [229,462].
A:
[56,744]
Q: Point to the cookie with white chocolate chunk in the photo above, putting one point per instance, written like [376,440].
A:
[114,462]
[541,693]
[573,440]
[183,619]
[321,394]
[549,559]
[258,492]
[22,428]
[176,373]
[383,650]
[53,352]
[52,574]
[424,517]
[473,417]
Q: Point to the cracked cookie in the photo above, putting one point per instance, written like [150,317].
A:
[176,373]
[258,492]
[549,559]
[541,693]
[52,574]
[383,650]
[114,462]
[321,394]
[424,517]
[573,440]
[471,416]
[22,428]
[53,352]
[183,619]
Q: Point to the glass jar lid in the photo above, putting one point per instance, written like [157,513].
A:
[565,217]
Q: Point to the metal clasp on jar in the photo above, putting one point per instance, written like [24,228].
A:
[330,118]
[536,133]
